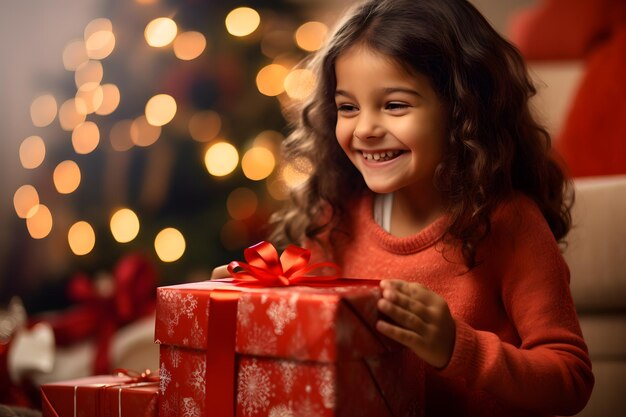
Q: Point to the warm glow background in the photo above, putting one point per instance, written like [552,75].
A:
[108,107]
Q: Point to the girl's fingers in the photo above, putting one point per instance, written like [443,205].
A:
[412,290]
[220,272]
[407,303]
[402,317]
[403,336]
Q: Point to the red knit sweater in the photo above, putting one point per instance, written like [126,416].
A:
[519,350]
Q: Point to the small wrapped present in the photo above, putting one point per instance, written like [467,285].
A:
[234,347]
[101,396]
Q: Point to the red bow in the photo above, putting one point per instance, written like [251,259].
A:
[100,314]
[266,268]
[145,376]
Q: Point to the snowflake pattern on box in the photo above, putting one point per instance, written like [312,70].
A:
[197,380]
[282,410]
[167,408]
[175,357]
[177,305]
[197,333]
[190,408]
[288,375]
[244,309]
[260,341]
[327,387]
[165,377]
[282,312]
[308,408]
[254,388]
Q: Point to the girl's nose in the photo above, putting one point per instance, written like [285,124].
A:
[368,127]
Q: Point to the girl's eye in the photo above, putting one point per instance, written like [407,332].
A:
[396,105]
[346,108]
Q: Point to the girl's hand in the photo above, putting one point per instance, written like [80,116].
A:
[220,272]
[421,320]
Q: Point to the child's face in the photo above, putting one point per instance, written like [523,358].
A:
[390,123]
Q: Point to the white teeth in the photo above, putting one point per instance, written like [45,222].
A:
[380,156]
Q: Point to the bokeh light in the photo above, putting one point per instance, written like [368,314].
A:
[242,21]
[74,55]
[299,83]
[120,137]
[85,137]
[97,25]
[89,98]
[221,159]
[110,99]
[66,177]
[69,116]
[258,163]
[204,126]
[160,109]
[278,189]
[241,203]
[81,238]
[270,79]
[89,72]
[143,133]
[124,225]
[169,244]
[269,139]
[39,222]
[160,32]
[43,110]
[24,199]
[189,45]
[311,36]
[99,38]
[32,152]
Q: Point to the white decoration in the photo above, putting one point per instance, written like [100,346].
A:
[190,408]
[260,341]
[175,357]
[197,333]
[165,377]
[244,309]
[282,313]
[188,305]
[282,410]
[197,379]
[175,306]
[308,408]
[288,375]
[327,387]
[254,389]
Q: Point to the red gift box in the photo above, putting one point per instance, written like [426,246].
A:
[100,396]
[307,350]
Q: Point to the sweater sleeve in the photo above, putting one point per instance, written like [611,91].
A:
[549,371]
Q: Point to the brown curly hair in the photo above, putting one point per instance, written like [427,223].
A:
[494,146]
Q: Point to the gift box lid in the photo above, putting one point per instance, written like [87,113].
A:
[329,322]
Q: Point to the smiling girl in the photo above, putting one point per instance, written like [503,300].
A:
[432,175]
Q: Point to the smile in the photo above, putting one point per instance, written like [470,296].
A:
[381,156]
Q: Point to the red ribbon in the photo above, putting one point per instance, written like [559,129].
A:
[98,315]
[265,268]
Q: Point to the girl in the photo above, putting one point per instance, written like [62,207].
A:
[432,173]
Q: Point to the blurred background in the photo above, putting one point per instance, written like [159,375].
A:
[148,126]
